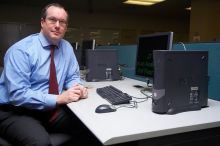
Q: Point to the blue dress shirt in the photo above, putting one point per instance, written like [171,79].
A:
[25,78]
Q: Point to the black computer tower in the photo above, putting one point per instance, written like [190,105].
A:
[180,81]
[102,65]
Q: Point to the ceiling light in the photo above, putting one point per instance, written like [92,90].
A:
[189,8]
[154,1]
[143,2]
[138,2]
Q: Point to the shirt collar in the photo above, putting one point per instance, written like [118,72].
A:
[44,41]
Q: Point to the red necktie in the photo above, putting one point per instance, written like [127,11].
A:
[53,85]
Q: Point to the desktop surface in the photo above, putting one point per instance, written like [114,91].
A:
[131,124]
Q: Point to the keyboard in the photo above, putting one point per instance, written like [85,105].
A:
[114,95]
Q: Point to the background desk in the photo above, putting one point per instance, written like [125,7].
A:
[131,124]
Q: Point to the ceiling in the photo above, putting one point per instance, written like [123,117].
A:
[170,8]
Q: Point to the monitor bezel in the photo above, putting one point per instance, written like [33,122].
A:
[85,43]
[169,34]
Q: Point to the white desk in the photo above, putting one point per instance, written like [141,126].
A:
[130,124]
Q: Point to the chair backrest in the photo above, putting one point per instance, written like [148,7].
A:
[57,139]
[1,69]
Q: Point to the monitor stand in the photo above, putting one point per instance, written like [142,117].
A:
[82,67]
[148,89]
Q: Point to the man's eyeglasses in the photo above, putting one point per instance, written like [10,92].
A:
[53,20]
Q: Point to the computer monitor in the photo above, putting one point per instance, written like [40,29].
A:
[102,65]
[77,52]
[86,45]
[145,47]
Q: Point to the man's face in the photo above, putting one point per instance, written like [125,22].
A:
[55,24]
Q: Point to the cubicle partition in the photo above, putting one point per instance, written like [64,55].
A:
[127,55]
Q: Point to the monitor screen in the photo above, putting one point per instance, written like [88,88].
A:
[145,47]
[86,45]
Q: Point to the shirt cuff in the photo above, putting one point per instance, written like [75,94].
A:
[51,101]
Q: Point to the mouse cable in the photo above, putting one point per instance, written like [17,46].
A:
[132,104]
[147,96]
[138,99]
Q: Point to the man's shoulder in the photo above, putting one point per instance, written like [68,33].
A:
[27,40]
[25,44]
[30,37]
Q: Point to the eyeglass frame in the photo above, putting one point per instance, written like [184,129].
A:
[53,20]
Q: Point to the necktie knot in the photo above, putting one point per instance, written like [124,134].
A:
[52,49]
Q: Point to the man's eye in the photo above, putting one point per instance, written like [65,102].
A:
[63,22]
[53,20]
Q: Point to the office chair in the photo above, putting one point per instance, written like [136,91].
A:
[1,69]
[57,139]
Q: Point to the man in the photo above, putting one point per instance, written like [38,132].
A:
[28,109]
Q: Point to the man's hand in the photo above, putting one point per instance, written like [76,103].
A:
[75,93]
[84,91]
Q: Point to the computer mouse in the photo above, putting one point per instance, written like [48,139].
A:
[104,108]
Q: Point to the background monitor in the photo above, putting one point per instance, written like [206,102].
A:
[86,44]
[77,52]
[145,47]
[74,45]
